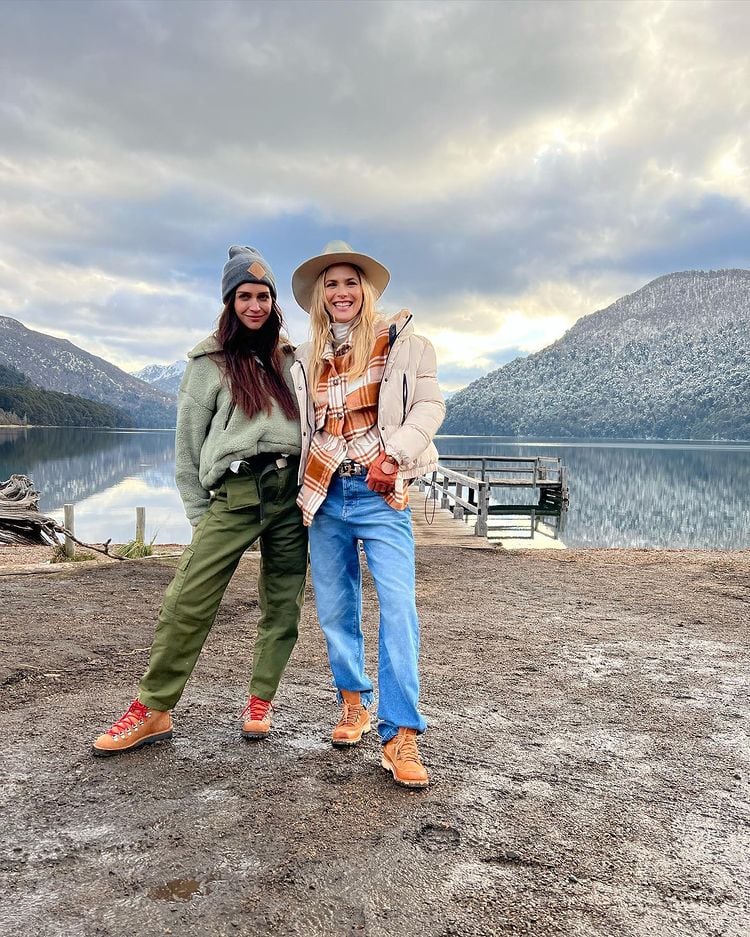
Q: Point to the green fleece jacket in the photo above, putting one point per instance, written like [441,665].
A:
[212,433]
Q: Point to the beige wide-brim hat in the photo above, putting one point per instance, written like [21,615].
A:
[335,252]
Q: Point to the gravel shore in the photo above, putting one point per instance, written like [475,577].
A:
[589,748]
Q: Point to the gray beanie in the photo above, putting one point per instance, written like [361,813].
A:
[246,265]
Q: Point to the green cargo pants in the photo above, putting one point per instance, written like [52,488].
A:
[259,504]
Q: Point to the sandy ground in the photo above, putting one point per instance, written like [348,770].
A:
[588,745]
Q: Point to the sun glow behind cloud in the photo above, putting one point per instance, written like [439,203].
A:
[483,331]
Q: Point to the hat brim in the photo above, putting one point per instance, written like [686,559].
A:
[304,277]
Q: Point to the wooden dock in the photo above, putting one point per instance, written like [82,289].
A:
[456,507]
[435,527]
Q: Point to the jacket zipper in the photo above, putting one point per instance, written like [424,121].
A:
[229,415]
[406,394]
[392,342]
[310,428]
[306,398]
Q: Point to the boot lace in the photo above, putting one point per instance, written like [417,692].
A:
[407,749]
[134,716]
[256,709]
[350,714]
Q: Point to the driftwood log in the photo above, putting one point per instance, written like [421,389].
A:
[20,521]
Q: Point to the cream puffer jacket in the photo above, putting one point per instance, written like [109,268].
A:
[410,406]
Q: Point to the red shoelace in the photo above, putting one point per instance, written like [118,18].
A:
[256,709]
[136,713]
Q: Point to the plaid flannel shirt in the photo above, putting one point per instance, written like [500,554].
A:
[346,424]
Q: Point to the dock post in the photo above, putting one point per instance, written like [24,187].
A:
[472,497]
[444,502]
[69,524]
[458,511]
[140,525]
[483,498]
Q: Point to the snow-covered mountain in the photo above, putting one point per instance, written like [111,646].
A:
[57,364]
[166,377]
[671,360]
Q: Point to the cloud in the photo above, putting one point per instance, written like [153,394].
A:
[516,165]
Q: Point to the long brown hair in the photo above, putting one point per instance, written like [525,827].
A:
[361,336]
[253,387]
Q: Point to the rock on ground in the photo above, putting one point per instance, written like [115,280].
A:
[588,746]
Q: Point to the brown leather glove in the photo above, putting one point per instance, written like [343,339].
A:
[382,474]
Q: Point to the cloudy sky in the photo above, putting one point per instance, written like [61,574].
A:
[515,164]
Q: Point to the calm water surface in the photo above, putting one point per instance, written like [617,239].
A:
[622,493]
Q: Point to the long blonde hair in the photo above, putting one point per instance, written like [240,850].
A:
[361,336]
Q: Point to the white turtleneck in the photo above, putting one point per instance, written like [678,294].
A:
[340,330]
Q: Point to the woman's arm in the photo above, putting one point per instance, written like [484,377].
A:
[425,414]
[193,423]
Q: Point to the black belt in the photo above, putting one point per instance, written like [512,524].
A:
[262,460]
[348,467]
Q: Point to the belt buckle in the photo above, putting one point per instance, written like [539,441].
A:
[352,468]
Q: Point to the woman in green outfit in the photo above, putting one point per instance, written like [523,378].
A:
[237,462]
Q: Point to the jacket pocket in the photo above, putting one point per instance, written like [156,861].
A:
[405,398]
[230,414]
[242,492]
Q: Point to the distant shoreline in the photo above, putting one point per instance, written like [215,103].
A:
[119,429]
[557,440]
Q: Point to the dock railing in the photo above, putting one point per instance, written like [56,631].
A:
[544,476]
[477,495]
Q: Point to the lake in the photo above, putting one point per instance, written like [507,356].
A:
[623,493]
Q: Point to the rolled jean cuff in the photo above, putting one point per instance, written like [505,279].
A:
[386,731]
[366,697]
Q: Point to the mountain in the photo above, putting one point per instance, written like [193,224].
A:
[22,402]
[668,361]
[167,377]
[56,364]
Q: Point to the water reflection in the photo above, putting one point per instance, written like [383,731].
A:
[638,494]
[692,495]
[106,474]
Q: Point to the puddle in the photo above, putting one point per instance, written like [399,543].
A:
[306,744]
[437,836]
[178,889]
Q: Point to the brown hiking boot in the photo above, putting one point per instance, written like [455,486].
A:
[138,727]
[354,721]
[401,758]
[256,718]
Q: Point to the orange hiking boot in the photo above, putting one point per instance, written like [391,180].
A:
[139,726]
[401,758]
[354,721]
[256,718]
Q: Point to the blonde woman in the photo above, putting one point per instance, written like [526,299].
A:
[370,405]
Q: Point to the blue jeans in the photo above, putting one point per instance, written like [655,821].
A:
[352,512]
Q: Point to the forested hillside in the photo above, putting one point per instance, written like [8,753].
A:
[22,402]
[668,361]
[56,364]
